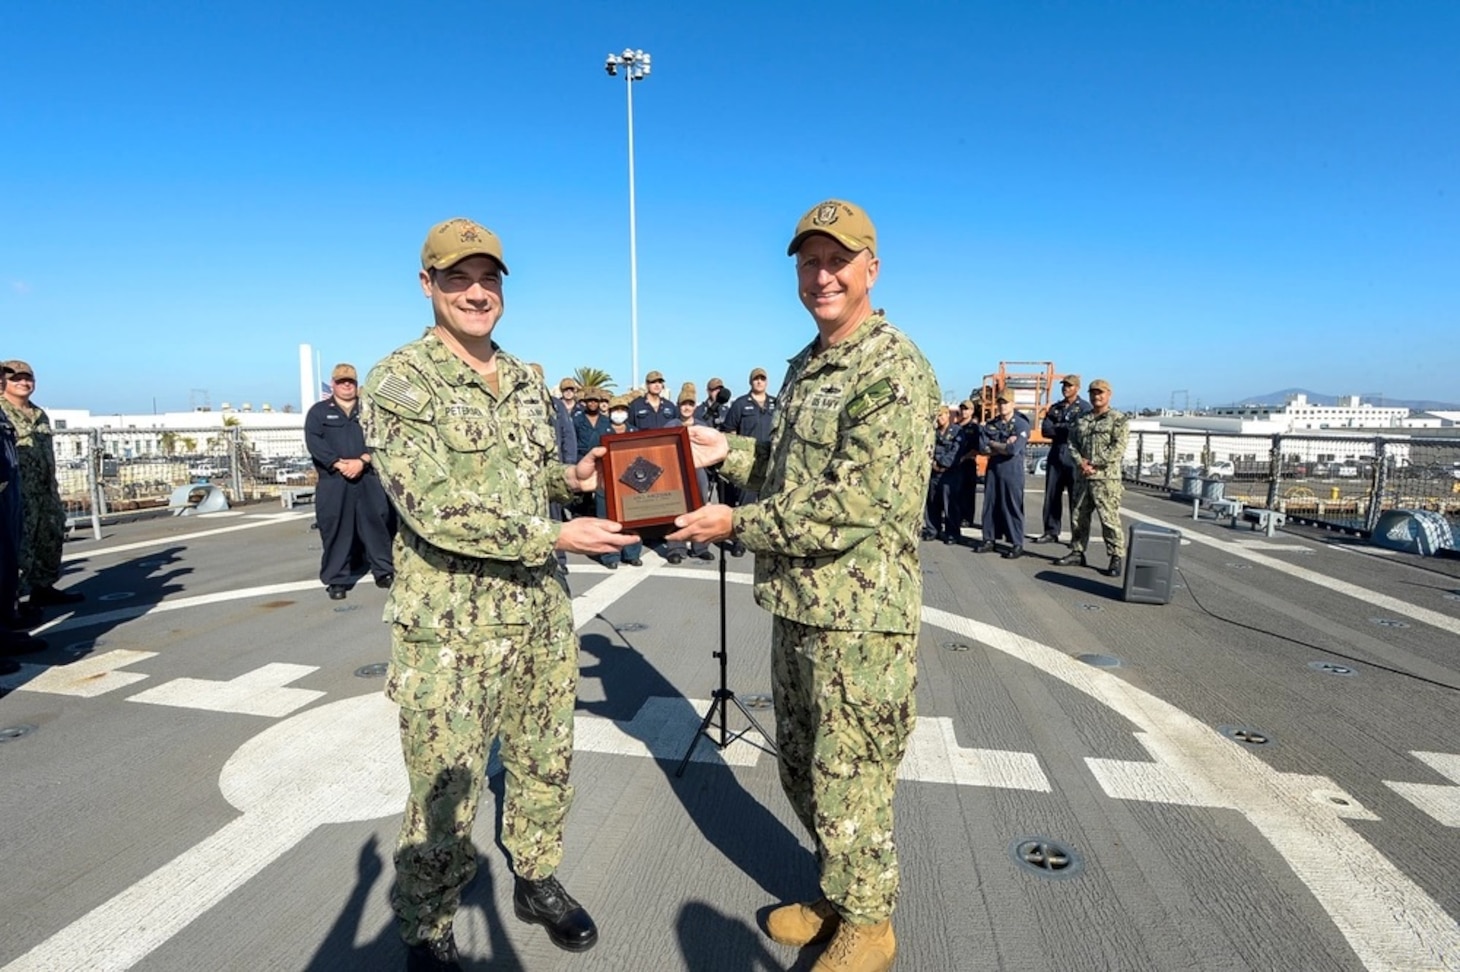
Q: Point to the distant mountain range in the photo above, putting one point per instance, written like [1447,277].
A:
[1417,404]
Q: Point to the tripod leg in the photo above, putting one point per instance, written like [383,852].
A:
[769,739]
[703,730]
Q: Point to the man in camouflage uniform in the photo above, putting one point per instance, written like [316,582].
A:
[45,517]
[13,640]
[1097,445]
[483,645]
[835,533]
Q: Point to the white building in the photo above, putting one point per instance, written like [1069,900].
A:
[269,433]
[1298,414]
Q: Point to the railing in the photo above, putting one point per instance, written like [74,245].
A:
[105,472]
[1336,481]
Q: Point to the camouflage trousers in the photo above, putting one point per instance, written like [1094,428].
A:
[458,691]
[1100,496]
[844,709]
[40,547]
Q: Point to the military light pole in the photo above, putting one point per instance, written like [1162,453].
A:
[635,65]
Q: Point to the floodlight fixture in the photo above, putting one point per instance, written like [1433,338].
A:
[636,65]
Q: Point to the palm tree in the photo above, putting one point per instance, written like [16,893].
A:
[590,377]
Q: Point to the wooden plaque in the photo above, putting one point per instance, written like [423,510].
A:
[648,479]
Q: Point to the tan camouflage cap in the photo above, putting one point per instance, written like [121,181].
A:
[1071,380]
[842,221]
[18,367]
[714,383]
[568,383]
[1005,396]
[343,370]
[618,401]
[757,373]
[686,393]
[653,376]
[456,239]
[1100,384]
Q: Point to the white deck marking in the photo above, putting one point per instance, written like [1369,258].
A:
[85,677]
[1388,919]
[260,692]
[1439,800]
[1435,619]
[179,538]
[662,729]
[198,600]
[934,756]
[587,605]
[338,763]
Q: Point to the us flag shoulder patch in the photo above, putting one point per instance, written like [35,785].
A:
[396,390]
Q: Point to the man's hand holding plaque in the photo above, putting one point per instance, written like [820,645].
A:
[709,445]
[587,534]
[710,523]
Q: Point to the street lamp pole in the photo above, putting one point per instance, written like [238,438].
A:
[635,65]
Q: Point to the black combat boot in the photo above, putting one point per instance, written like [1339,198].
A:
[436,956]
[1117,566]
[1075,558]
[546,903]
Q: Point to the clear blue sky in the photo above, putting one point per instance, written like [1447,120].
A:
[1225,197]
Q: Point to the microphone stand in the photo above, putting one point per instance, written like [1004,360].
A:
[721,699]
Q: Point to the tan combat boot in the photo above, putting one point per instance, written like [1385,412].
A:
[802,924]
[859,948]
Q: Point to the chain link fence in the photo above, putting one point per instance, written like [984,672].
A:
[104,472]
[1336,481]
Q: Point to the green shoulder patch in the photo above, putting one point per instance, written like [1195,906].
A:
[397,391]
[871,400]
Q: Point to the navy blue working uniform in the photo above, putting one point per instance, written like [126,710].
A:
[753,419]
[645,415]
[1059,467]
[942,513]
[1003,491]
[965,475]
[350,513]
[588,430]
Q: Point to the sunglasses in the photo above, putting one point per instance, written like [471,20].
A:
[344,381]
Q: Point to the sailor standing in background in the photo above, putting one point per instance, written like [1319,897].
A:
[1059,468]
[349,504]
[751,415]
[1097,445]
[13,640]
[1003,440]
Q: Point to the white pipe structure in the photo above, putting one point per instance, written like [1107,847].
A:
[307,394]
[635,65]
